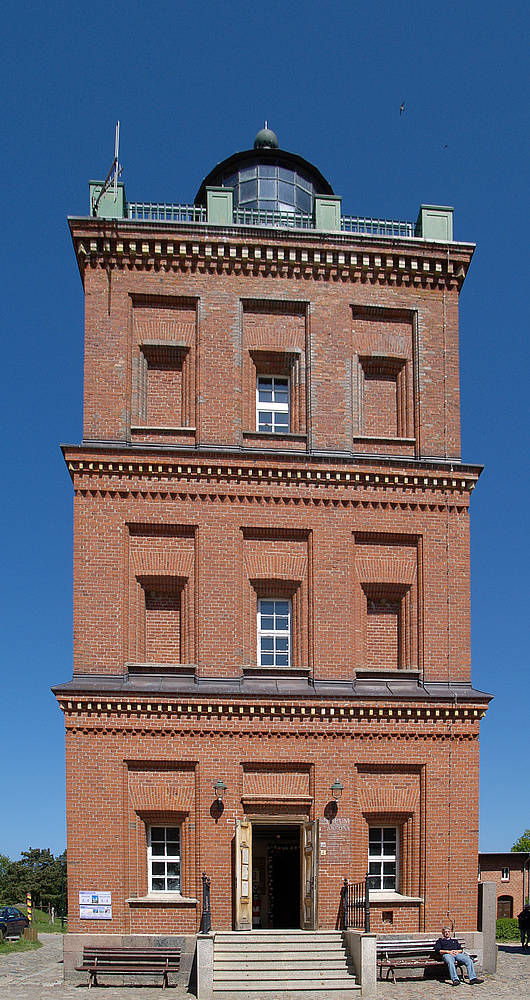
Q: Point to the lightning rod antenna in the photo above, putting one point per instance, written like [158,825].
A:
[112,176]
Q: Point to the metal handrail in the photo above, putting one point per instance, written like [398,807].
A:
[269,217]
[143,211]
[355,904]
[206,916]
[376,227]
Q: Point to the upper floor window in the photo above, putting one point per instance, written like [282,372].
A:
[505,874]
[274,633]
[164,858]
[382,858]
[272,404]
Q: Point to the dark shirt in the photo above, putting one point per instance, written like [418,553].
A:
[447,944]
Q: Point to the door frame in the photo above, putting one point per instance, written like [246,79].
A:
[308,919]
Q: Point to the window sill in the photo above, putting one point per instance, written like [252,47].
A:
[161,899]
[145,429]
[256,669]
[274,436]
[384,440]
[386,896]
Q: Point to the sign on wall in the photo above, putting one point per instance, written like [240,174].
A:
[95,905]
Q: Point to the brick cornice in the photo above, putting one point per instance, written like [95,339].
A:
[265,715]
[255,481]
[247,251]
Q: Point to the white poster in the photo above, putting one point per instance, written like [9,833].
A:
[95,905]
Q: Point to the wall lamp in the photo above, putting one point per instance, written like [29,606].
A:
[219,789]
[337,789]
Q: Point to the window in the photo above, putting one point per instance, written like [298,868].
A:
[382,858]
[274,633]
[272,405]
[164,859]
[269,186]
[505,874]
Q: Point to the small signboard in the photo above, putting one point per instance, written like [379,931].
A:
[95,905]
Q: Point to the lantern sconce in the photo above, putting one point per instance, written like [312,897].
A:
[219,789]
[337,789]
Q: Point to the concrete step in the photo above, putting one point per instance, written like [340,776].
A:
[278,949]
[286,990]
[277,965]
[278,933]
[220,965]
[273,975]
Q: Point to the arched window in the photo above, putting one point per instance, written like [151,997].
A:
[504,907]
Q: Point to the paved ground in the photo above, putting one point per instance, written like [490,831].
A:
[38,975]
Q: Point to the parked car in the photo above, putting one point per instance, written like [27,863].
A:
[12,922]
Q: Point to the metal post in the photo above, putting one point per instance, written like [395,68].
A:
[345,904]
[62,894]
[206,918]
[367,905]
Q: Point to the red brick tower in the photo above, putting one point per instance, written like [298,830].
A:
[271,564]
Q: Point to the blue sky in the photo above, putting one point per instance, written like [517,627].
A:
[191,84]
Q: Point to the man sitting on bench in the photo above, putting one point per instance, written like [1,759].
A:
[451,951]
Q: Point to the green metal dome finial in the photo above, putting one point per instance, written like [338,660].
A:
[266,139]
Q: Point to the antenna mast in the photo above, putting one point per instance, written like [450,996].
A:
[112,176]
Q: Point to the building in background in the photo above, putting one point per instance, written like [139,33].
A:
[510,870]
[272,655]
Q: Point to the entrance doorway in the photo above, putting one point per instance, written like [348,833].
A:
[276,877]
[276,899]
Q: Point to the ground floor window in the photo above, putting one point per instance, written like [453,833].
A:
[164,858]
[382,857]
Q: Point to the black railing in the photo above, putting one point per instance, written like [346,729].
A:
[206,917]
[355,905]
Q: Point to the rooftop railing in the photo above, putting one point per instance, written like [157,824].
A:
[376,227]
[278,220]
[156,212]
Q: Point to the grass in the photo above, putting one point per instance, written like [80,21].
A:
[41,922]
[10,947]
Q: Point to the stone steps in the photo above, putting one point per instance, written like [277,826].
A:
[281,965]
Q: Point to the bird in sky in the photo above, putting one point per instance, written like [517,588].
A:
[402,108]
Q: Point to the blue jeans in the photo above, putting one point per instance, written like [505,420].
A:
[462,959]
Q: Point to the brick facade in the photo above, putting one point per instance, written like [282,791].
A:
[511,873]
[187,518]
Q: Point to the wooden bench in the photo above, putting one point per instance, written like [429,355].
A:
[411,953]
[135,961]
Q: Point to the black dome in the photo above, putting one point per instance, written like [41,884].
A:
[267,178]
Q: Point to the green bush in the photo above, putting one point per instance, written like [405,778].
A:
[507,929]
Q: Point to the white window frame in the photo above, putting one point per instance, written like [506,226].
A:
[168,865]
[274,408]
[272,633]
[380,858]
[505,874]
